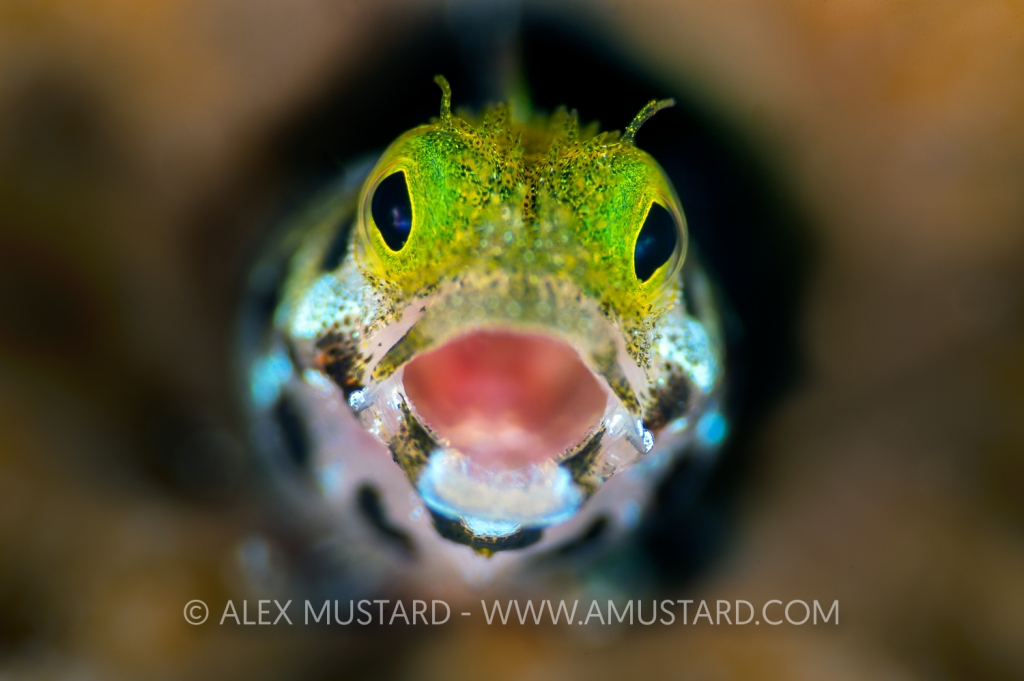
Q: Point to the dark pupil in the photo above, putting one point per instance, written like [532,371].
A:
[655,243]
[392,211]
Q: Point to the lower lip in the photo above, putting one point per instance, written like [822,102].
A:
[506,399]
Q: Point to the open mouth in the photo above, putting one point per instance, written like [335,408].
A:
[501,432]
[506,399]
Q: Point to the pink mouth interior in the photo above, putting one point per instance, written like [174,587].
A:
[506,399]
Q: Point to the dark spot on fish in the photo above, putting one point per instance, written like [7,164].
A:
[585,541]
[294,435]
[668,402]
[371,506]
[338,358]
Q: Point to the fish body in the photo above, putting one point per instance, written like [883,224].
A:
[484,349]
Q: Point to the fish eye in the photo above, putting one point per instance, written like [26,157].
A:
[655,243]
[391,210]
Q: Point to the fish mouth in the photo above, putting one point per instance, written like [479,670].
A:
[505,420]
[505,399]
[503,432]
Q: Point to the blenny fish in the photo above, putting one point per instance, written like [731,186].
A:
[483,347]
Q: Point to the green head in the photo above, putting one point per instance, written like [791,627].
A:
[537,199]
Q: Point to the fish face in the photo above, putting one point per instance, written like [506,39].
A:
[514,318]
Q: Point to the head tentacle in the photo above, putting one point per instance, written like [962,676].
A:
[652,107]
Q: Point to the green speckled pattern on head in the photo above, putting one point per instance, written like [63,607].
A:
[510,227]
[541,198]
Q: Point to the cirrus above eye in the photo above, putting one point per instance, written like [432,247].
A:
[392,210]
[655,243]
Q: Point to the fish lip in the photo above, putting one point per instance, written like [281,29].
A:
[534,496]
[498,503]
